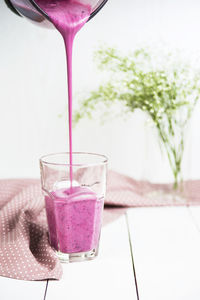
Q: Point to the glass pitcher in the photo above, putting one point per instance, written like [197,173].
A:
[30,10]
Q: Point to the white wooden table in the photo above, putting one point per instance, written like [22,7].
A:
[146,254]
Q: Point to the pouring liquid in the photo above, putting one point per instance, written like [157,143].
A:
[76,205]
[68,17]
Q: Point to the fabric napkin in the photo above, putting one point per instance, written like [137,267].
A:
[125,191]
[25,252]
[24,249]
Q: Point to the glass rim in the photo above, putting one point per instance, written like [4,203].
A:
[46,156]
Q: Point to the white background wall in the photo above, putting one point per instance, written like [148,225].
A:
[33,88]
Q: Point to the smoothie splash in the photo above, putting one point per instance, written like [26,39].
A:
[73,214]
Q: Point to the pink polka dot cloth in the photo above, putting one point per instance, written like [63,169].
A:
[127,192]
[24,249]
[25,252]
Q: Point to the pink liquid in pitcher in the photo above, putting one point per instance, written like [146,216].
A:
[73,214]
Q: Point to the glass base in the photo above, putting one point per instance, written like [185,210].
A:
[76,257]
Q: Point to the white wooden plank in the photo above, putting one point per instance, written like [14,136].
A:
[21,290]
[195,214]
[110,276]
[166,249]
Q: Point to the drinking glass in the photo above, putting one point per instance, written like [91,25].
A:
[74,199]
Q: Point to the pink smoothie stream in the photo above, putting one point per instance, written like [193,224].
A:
[68,16]
[73,214]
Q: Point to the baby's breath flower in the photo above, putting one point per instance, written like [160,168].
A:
[157,83]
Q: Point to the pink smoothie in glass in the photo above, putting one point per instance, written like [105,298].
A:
[74,219]
[74,214]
